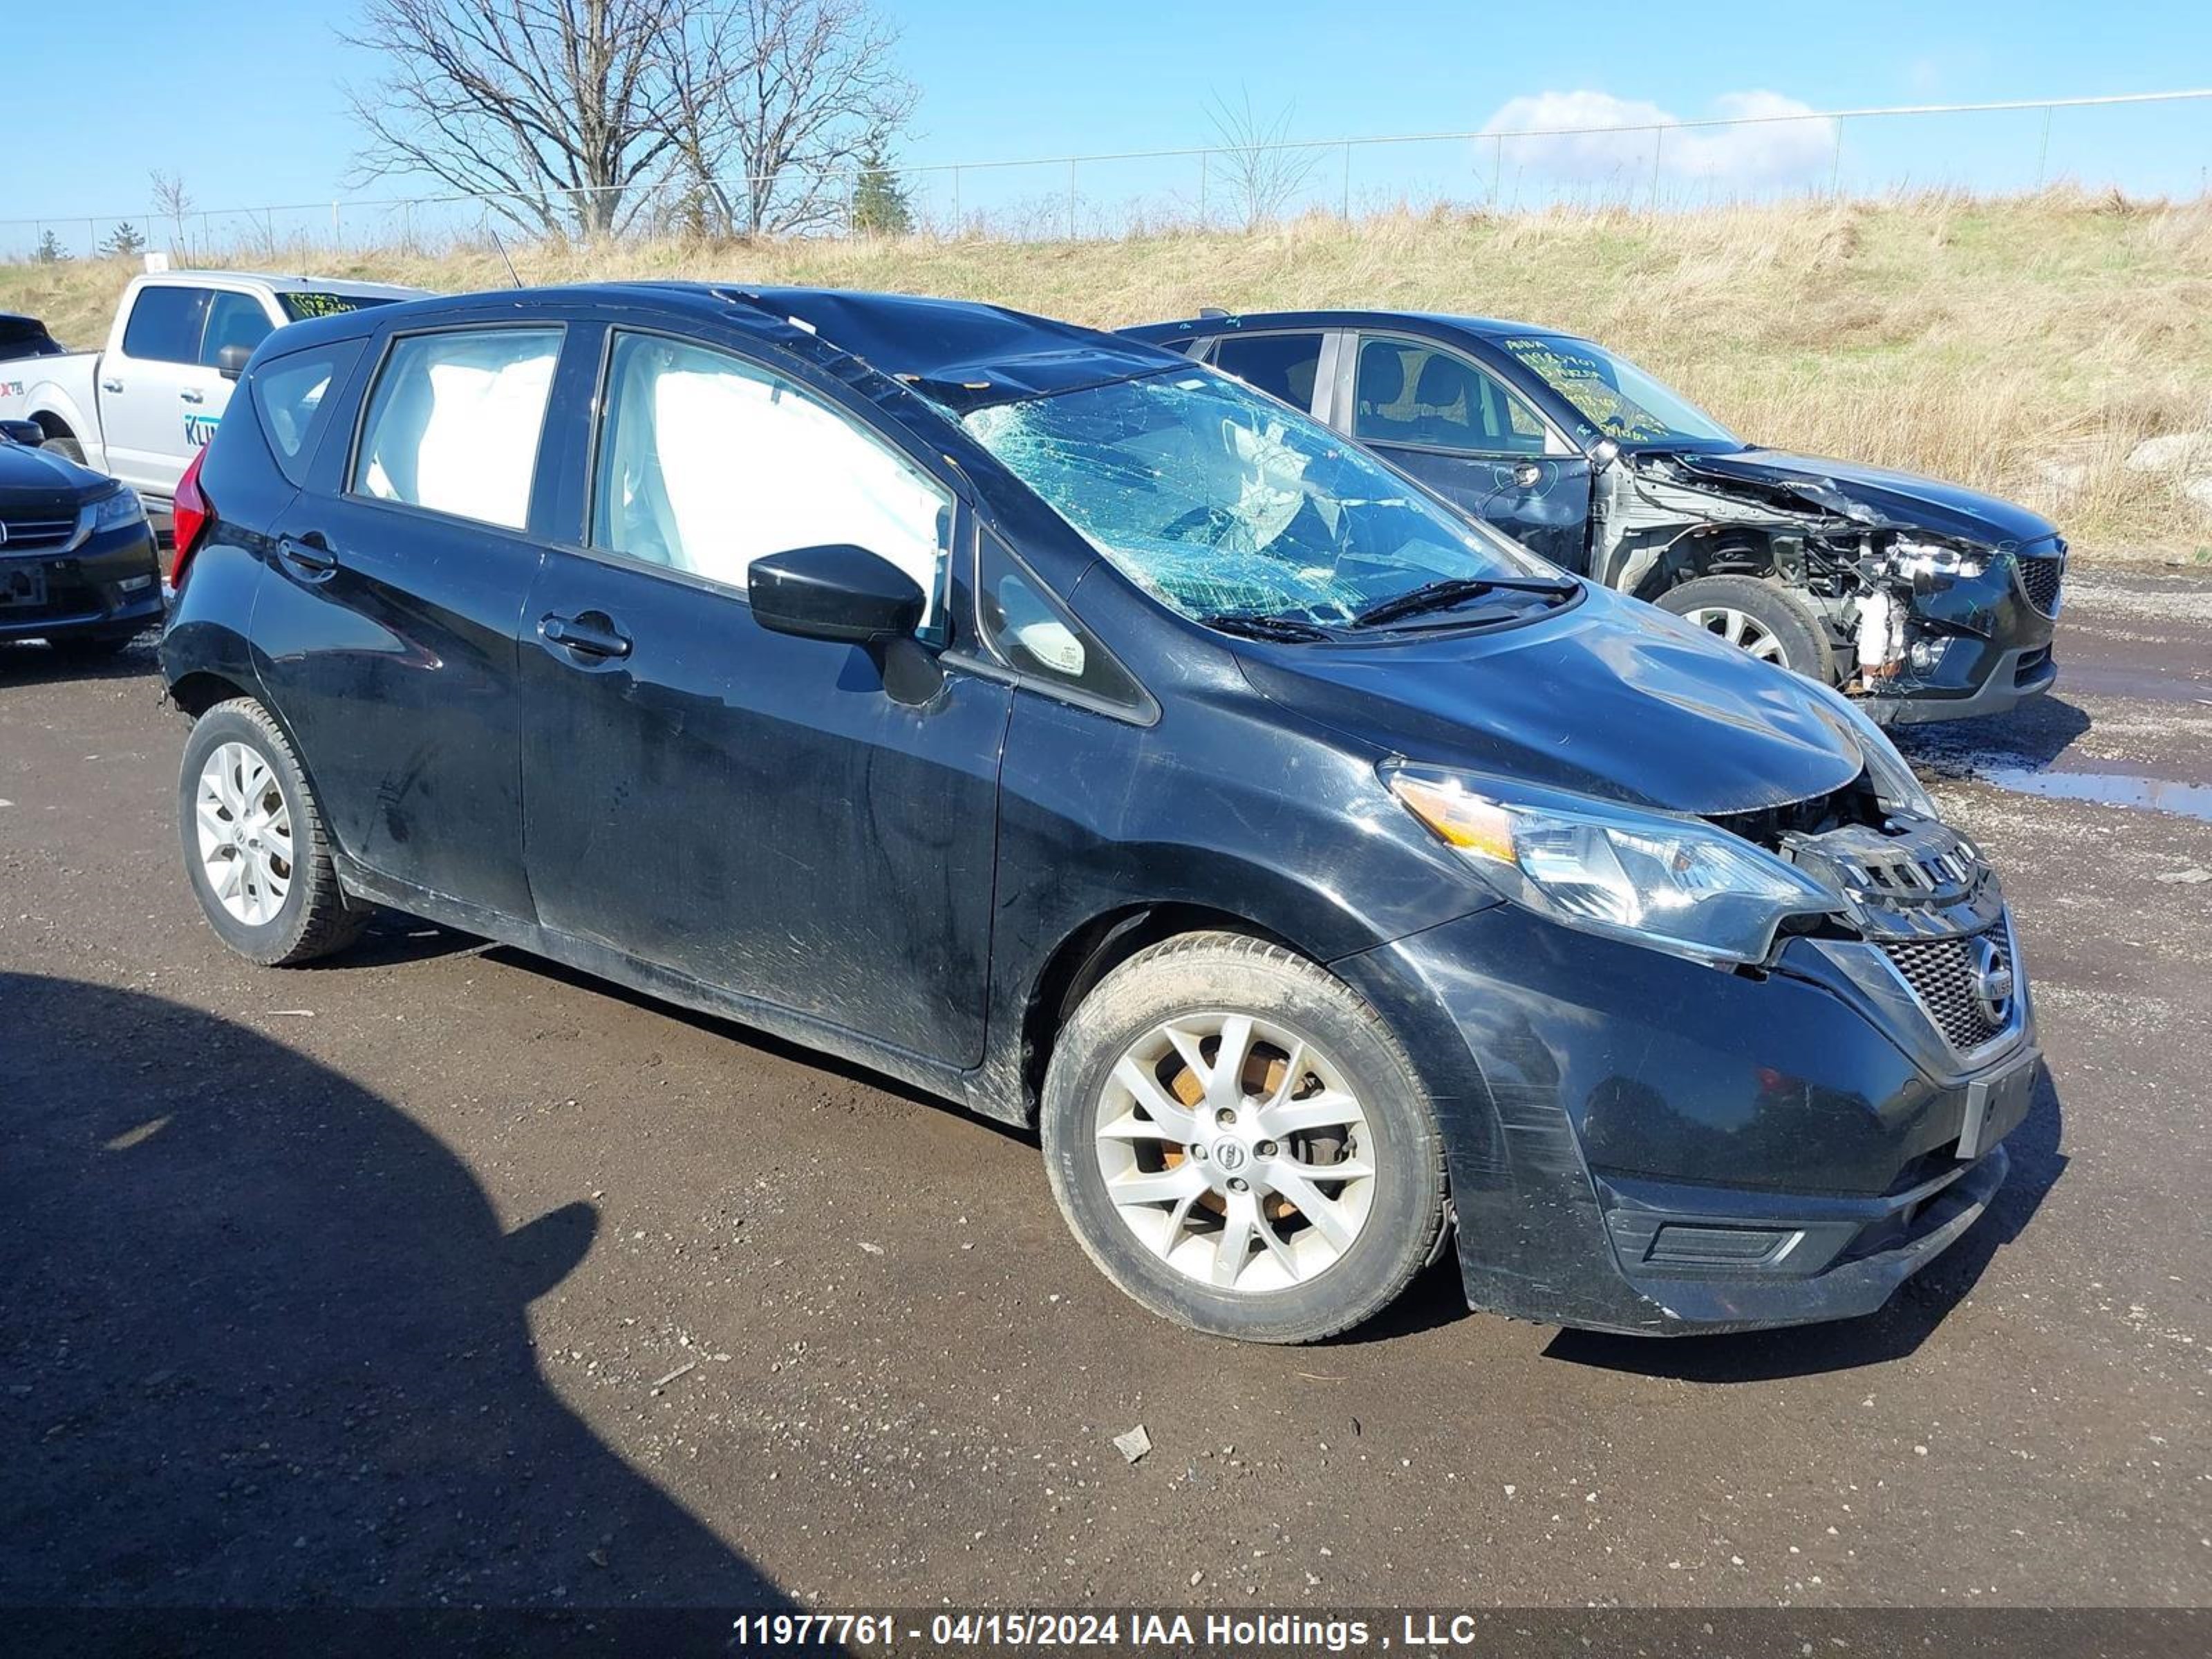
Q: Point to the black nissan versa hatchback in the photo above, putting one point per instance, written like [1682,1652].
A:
[1061,726]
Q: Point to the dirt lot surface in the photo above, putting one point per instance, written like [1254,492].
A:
[435,1274]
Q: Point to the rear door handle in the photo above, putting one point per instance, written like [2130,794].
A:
[192,396]
[587,634]
[310,552]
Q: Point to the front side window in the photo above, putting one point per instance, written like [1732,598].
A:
[453,421]
[707,463]
[1409,392]
[166,325]
[232,319]
[1619,400]
[1281,365]
[1221,502]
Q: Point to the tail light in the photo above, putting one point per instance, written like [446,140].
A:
[191,513]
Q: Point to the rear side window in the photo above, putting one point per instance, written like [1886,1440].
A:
[294,396]
[233,319]
[166,325]
[453,423]
[1281,365]
[708,463]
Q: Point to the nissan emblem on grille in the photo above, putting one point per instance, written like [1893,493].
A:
[1992,983]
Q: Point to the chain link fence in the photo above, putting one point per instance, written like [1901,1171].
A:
[2142,144]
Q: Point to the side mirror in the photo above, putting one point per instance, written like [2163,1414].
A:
[230,362]
[836,592]
[29,434]
[1603,454]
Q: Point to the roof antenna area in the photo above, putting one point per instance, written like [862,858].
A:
[493,232]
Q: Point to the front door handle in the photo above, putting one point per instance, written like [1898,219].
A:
[587,634]
[111,385]
[192,395]
[310,553]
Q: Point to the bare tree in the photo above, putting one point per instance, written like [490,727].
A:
[557,110]
[1260,173]
[171,200]
[779,104]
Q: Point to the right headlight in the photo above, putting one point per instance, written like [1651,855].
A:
[1678,884]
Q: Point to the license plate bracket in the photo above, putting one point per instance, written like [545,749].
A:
[1996,1105]
[22,584]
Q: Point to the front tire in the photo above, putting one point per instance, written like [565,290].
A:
[255,848]
[1240,1143]
[1761,616]
[65,447]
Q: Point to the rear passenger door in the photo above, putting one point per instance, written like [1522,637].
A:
[385,627]
[1434,412]
[755,812]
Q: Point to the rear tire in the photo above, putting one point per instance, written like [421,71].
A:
[255,848]
[1763,616]
[1253,1235]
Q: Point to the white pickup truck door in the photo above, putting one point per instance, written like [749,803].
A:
[161,394]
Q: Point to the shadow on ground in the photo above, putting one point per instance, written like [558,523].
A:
[265,1345]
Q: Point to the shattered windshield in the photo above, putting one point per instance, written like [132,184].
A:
[1619,399]
[1222,502]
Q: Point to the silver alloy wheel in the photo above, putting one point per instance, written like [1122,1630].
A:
[245,833]
[1738,628]
[1235,1152]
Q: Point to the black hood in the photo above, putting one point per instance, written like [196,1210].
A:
[1615,699]
[38,480]
[1928,504]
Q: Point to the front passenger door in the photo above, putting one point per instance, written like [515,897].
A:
[754,811]
[1435,413]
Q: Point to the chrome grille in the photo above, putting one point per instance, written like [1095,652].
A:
[1944,975]
[26,534]
[2039,578]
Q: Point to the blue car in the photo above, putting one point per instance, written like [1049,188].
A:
[1075,732]
[1925,600]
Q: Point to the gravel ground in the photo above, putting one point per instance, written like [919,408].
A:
[436,1274]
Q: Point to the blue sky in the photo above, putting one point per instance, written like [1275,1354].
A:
[250,111]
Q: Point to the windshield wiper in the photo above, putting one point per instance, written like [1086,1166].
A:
[1288,630]
[1443,594]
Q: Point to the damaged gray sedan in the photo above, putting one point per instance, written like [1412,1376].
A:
[1926,600]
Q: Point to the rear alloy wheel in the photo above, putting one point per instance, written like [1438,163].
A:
[1756,615]
[253,841]
[1240,1144]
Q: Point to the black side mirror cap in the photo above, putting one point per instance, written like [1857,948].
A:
[839,591]
[29,434]
[230,362]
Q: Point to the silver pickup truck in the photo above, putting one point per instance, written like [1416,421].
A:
[141,409]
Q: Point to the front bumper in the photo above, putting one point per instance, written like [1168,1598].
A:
[106,585]
[1993,634]
[1639,1143]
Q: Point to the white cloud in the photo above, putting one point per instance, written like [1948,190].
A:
[1568,142]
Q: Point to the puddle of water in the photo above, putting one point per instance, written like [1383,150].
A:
[2108,788]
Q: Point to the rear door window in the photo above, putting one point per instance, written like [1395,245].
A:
[1409,391]
[166,325]
[232,319]
[294,396]
[707,463]
[453,423]
[1283,366]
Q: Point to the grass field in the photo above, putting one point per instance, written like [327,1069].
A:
[2023,345]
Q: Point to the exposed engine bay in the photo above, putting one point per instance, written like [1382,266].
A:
[1888,597]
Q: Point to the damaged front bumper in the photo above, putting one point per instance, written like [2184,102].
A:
[1955,646]
[1640,1144]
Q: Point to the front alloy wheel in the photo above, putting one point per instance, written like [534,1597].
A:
[1240,1143]
[1236,1151]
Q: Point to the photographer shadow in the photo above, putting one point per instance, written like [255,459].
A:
[266,1345]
